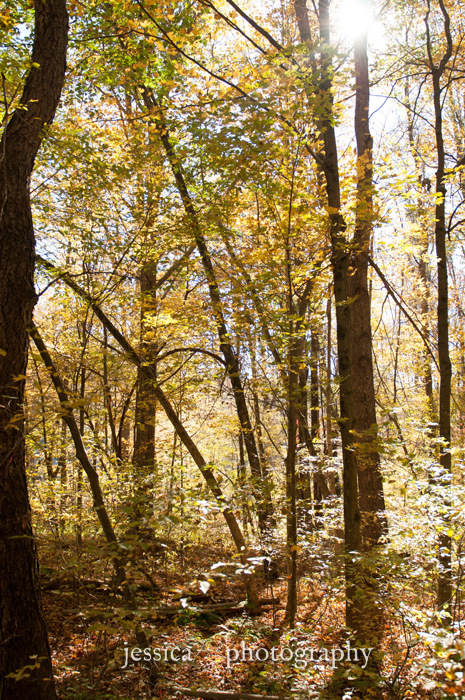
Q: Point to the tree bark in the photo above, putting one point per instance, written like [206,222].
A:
[328,161]
[23,635]
[445,366]
[144,419]
[144,440]
[370,480]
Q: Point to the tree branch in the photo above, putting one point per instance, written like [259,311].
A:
[393,295]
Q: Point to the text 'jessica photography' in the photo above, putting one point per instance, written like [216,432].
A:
[299,656]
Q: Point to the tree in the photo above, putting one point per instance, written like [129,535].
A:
[438,69]
[370,480]
[24,648]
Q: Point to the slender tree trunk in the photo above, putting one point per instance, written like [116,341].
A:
[328,162]
[264,507]
[79,486]
[328,397]
[304,489]
[423,267]
[62,465]
[370,480]
[314,387]
[107,398]
[144,433]
[81,454]
[291,488]
[23,636]
[266,484]
[315,424]
[445,366]
[187,441]
[241,478]
[123,437]
[427,371]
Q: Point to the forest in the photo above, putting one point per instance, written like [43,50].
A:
[232,349]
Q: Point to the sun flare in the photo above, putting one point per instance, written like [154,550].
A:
[356,18]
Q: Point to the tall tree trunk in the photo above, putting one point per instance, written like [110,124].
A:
[242,480]
[445,366]
[266,484]
[291,483]
[144,432]
[304,491]
[62,465]
[79,484]
[328,161]
[107,398]
[315,424]
[328,399]
[423,270]
[370,480]
[23,636]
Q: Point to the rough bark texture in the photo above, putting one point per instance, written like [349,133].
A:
[23,634]
[328,161]
[144,436]
[370,481]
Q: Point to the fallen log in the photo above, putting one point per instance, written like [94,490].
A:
[226,695]
[232,606]
[218,607]
[68,582]
[194,597]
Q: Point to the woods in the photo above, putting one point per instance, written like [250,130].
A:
[232,349]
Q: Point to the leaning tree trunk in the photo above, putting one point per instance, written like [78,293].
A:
[263,497]
[185,438]
[23,635]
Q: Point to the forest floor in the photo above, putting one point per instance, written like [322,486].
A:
[92,632]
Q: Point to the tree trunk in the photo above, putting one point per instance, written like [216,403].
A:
[84,461]
[23,636]
[266,482]
[62,465]
[79,484]
[291,487]
[144,433]
[107,398]
[370,480]
[328,400]
[328,161]
[445,366]
[423,270]
[264,506]
[187,441]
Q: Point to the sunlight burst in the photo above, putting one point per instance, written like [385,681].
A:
[356,17]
